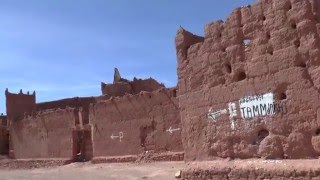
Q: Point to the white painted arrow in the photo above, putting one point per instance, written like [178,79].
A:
[172,130]
[216,114]
[115,137]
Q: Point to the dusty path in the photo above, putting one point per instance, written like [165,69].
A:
[88,171]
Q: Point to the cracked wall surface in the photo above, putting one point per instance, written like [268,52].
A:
[133,124]
[265,52]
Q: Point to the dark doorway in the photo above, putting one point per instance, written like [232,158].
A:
[82,145]
[4,142]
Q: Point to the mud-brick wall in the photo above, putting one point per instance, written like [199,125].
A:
[48,134]
[77,102]
[250,86]
[133,124]
[4,140]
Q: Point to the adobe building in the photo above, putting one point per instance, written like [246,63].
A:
[4,135]
[130,118]
[41,130]
[250,87]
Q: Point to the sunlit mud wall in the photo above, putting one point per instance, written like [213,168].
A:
[47,134]
[250,86]
[57,129]
[133,124]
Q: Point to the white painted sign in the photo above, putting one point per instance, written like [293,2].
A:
[257,106]
[232,110]
[232,114]
[250,107]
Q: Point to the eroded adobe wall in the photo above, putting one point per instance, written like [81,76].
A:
[124,87]
[133,124]
[250,87]
[116,89]
[81,103]
[48,134]
[149,85]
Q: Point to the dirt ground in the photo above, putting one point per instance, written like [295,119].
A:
[217,169]
[79,171]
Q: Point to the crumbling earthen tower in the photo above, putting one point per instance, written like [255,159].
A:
[250,86]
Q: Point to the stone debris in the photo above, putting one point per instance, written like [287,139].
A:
[178,174]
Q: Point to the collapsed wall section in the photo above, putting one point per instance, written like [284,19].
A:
[133,124]
[250,87]
[124,87]
[121,86]
[48,134]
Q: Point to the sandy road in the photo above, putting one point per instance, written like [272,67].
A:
[88,171]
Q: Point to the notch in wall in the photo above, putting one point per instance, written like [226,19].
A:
[246,42]
[297,43]
[185,52]
[289,6]
[293,25]
[300,63]
[270,50]
[262,134]
[268,36]
[281,92]
[240,76]
[228,68]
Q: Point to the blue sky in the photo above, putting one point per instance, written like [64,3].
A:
[65,48]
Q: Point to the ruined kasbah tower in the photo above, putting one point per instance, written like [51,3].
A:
[248,89]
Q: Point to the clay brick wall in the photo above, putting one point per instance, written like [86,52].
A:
[250,86]
[48,134]
[4,140]
[133,124]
